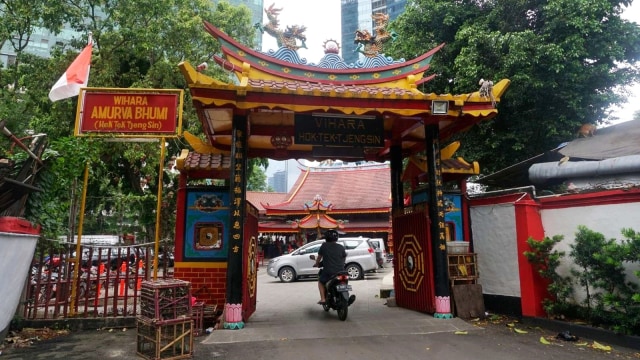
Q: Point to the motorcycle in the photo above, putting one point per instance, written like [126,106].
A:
[89,281]
[43,285]
[337,297]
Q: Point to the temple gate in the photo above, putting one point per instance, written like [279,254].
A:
[284,108]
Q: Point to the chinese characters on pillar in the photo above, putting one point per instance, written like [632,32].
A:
[237,190]
[439,199]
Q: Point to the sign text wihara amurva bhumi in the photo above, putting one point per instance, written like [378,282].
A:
[129,113]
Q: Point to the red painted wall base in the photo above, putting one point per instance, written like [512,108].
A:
[532,285]
[208,280]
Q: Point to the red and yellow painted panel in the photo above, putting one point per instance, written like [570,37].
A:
[129,112]
[413,266]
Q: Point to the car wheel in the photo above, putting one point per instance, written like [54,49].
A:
[355,272]
[287,274]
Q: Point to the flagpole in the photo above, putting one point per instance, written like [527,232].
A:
[158,209]
[78,257]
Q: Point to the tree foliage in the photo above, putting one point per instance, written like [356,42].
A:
[546,261]
[610,299]
[565,59]
[137,44]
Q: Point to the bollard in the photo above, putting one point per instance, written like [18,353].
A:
[101,271]
[123,274]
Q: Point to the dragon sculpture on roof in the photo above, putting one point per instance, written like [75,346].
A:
[285,38]
[373,45]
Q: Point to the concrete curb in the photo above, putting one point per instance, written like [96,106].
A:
[585,331]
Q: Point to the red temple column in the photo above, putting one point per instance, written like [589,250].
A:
[533,288]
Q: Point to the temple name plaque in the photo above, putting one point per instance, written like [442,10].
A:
[331,130]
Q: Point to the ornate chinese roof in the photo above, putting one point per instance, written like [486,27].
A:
[275,88]
[257,198]
[364,189]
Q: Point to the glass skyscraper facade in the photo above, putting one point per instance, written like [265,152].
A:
[356,15]
[278,182]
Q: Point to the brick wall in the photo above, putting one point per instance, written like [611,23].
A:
[208,280]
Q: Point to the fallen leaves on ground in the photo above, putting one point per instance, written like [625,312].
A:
[513,326]
[596,345]
[27,336]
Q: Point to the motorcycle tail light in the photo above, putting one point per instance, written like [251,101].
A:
[343,277]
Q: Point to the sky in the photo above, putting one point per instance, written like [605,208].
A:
[633,102]
[322,19]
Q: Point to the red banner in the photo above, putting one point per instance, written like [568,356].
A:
[129,113]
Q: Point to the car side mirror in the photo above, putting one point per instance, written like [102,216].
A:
[312,257]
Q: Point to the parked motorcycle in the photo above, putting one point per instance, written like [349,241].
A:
[43,285]
[89,280]
[338,297]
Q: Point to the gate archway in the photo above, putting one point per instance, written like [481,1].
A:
[283,108]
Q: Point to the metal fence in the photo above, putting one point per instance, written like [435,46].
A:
[107,281]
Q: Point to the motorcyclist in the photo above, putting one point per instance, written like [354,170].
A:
[332,255]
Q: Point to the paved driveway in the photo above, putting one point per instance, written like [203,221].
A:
[290,326]
[289,311]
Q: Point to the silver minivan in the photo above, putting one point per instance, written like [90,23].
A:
[361,258]
[381,253]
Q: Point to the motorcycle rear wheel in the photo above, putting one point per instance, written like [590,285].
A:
[342,312]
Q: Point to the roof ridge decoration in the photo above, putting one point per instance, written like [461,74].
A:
[372,45]
[285,63]
[318,204]
[287,38]
[317,217]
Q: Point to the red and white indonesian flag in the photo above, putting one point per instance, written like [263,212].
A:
[75,78]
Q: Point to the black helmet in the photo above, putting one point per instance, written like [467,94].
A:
[331,235]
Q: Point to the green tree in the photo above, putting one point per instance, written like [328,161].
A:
[132,49]
[546,261]
[564,59]
[610,298]
[257,177]
[20,18]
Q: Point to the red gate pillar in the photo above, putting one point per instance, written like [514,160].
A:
[533,288]
[397,192]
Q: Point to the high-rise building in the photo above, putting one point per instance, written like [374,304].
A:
[42,41]
[280,181]
[356,15]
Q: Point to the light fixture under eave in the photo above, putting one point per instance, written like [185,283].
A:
[439,107]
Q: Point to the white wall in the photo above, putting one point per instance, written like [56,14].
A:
[493,229]
[608,220]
